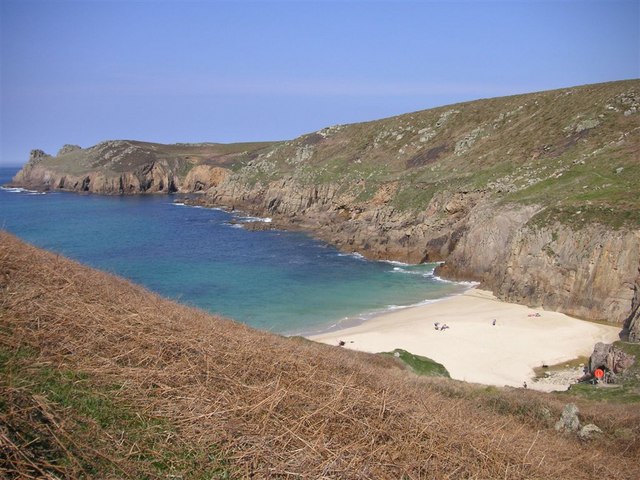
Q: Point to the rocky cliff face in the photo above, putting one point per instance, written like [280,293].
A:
[128,167]
[203,177]
[591,272]
[632,325]
[533,195]
[154,177]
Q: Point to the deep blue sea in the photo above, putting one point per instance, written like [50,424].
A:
[285,282]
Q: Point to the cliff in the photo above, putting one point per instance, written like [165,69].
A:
[533,195]
[131,167]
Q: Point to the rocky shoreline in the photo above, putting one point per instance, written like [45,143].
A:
[589,273]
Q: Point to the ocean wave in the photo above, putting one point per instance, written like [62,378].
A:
[405,271]
[427,274]
[355,255]
[395,262]
[431,275]
[254,219]
[444,280]
[393,308]
[181,204]
[22,190]
[418,304]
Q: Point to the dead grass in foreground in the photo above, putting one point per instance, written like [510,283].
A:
[103,379]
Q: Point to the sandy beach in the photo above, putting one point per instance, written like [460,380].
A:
[473,348]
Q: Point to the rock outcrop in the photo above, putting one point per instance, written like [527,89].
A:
[610,358]
[589,273]
[156,177]
[374,228]
[203,177]
[68,149]
[569,421]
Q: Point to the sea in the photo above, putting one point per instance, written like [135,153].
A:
[280,281]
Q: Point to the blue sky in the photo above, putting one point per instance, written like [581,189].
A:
[187,71]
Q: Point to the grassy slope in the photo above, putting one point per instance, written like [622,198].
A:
[418,364]
[103,379]
[128,155]
[558,148]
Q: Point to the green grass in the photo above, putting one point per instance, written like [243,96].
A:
[593,187]
[418,364]
[78,420]
[609,393]
[414,197]
[184,169]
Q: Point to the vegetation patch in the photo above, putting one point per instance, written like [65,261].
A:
[418,364]
[60,423]
[414,197]
[606,393]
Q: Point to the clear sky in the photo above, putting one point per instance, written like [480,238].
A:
[187,71]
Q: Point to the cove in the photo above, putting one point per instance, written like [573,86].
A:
[285,282]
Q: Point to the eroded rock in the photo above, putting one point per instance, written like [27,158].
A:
[569,421]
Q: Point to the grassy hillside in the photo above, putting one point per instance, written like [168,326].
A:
[571,150]
[118,156]
[102,379]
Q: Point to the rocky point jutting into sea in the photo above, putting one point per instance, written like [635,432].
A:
[533,195]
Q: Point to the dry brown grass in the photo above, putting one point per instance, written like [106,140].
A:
[273,407]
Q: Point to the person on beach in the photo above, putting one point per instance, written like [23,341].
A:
[494,322]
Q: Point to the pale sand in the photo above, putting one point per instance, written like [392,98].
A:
[473,349]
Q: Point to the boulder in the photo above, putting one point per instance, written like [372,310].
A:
[569,421]
[589,431]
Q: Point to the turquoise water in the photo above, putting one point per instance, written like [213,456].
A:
[286,282]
